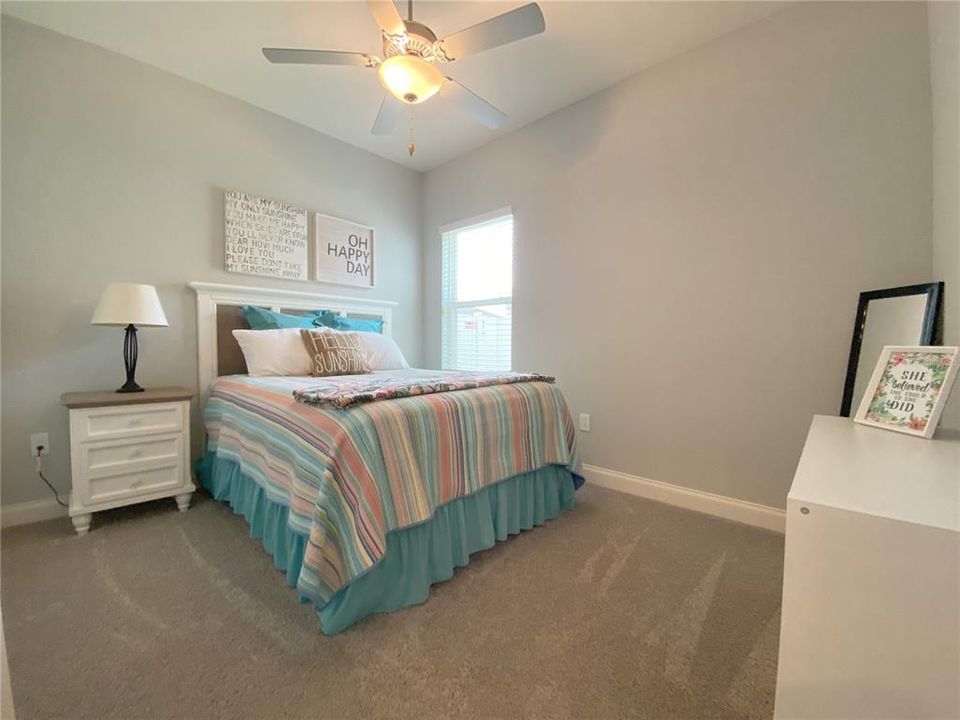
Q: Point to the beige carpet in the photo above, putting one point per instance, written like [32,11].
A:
[620,608]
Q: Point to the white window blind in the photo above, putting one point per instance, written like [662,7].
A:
[477,266]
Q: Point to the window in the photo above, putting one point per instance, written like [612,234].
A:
[477,266]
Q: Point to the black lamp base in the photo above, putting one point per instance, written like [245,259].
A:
[130,360]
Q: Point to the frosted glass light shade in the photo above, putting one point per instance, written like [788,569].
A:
[129,304]
[409,78]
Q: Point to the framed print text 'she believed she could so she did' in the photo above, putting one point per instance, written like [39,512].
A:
[909,388]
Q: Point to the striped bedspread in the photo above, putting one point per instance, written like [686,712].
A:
[349,477]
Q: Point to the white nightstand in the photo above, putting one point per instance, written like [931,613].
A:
[127,448]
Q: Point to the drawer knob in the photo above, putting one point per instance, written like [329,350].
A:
[136,483]
[134,421]
[136,454]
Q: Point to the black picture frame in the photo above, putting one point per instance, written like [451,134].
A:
[930,334]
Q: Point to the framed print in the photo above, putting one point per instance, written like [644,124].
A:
[264,237]
[344,252]
[909,388]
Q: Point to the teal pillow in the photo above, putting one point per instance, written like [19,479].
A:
[262,319]
[328,318]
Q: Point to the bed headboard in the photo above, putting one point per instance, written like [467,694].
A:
[219,313]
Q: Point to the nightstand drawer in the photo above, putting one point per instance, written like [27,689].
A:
[125,421]
[109,457]
[107,488]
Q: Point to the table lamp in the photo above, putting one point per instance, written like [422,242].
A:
[129,304]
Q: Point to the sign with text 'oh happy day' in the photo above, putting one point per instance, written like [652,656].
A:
[344,252]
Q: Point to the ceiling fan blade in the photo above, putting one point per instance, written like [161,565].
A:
[317,57]
[472,104]
[387,17]
[387,116]
[500,30]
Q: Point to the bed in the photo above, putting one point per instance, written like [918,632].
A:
[364,508]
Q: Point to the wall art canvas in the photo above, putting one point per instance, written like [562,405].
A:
[909,388]
[264,237]
[344,252]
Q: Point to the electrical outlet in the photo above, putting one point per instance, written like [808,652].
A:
[38,439]
[585,422]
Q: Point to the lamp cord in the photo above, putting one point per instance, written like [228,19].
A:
[56,495]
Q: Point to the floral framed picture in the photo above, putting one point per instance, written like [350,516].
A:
[909,388]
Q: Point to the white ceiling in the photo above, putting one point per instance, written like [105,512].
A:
[587,46]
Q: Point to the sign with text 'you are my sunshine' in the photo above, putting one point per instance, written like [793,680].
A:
[344,252]
[264,237]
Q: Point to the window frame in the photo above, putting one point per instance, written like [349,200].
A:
[482,218]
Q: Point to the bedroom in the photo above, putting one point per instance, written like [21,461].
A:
[691,199]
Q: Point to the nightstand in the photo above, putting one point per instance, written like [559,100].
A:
[128,448]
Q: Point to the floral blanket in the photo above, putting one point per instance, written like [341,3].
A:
[341,393]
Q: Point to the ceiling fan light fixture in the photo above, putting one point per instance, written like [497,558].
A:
[409,78]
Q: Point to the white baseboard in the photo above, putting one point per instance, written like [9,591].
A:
[742,511]
[31,512]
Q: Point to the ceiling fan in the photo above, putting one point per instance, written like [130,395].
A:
[411,53]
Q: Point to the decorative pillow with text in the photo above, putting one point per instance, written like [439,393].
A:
[335,353]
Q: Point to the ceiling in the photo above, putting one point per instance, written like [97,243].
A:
[587,46]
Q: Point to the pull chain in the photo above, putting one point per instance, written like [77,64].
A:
[411,146]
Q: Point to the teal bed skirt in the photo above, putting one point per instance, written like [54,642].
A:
[417,556]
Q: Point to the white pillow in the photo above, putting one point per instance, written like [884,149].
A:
[274,352]
[382,351]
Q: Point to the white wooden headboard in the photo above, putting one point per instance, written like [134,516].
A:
[210,296]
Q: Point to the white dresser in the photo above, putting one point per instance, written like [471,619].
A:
[127,448]
[871,586]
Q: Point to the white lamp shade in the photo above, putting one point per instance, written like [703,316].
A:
[129,304]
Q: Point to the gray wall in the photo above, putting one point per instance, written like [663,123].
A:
[690,244]
[944,22]
[113,171]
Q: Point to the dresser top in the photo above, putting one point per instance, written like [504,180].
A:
[104,398]
[878,472]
